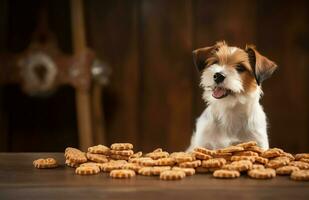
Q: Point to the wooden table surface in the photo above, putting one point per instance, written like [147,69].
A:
[20,180]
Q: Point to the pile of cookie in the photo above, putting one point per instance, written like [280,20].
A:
[120,161]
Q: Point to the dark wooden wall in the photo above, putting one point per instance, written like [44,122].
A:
[153,98]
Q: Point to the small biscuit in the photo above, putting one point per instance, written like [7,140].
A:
[256,149]
[288,155]
[45,163]
[87,170]
[122,152]
[247,144]
[97,157]
[201,156]
[122,173]
[133,166]
[71,164]
[306,160]
[157,170]
[213,163]
[146,171]
[188,171]
[222,173]
[258,166]
[246,153]
[299,164]
[286,170]
[300,175]
[157,155]
[205,151]
[119,157]
[266,173]
[99,149]
[271,153]
[91,164]
[136,155]
[165,162]
[122,146]
[237,158]
[301,155]
[278,162]
[146,161]
[180,157]
[111,165]
[261,160]
[192,164]
[75,155]
[158,150]
[241,165]
[172,175]
[230,149]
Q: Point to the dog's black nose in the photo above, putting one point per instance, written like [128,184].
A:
[218,78]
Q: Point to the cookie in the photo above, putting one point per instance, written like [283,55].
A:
[172,175]
[261,160]
[122,173]
[146,161]
[258,166]
[188,171]
[213,163]
[300,175]
[71,164]
[271,153]
[241,165]
[202,170]
[146,171]
[306,160]
[286,170]
[201,156]
[132,166]
[157,155]
[230,149]
[118,164]
[205,151]
[91,164]
[157,170]
[45,163]
[136,155]
[99,149]
[299,164]
[122,152]
[192,164]
[158,150]
[266,173]
[180,157]
[87,170]
[75,155]
[288,155]
[119,157]
[246,153]
[237,158]
[256,149]
[222,173]
[247,144]
[278,162]
[121,146]
[97,157]
[165,162]
[301,155]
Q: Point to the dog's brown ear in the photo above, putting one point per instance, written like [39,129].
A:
[201,55]
[262,67]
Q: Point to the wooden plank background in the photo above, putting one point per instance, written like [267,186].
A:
[154,97]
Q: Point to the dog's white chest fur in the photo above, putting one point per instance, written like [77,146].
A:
[222,124]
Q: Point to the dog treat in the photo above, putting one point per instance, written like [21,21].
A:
[172,175]
[222,173]
[246,153]
[87,170]
[45,163]
[266,173]
[121,146]
[301,155]
[299,164]
[99,149]
[122,173]
[75,155]
[300,175]
[157,155]
[261,160]
[182,157]
[205,151]
[165,162]
[247,144]
[237,158]
[286,170]
[192,164]
[188,171]
[241,165]
[71,164]
[258,166]
[213,163]
[230,149]
[271,153]
[97,157]
[201,156]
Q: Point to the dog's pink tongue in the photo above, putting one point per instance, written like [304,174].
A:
[218,92]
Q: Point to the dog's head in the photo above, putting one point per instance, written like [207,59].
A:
[231,73]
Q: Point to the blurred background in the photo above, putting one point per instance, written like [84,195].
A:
[152,97]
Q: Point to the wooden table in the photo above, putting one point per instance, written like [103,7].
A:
[20,180]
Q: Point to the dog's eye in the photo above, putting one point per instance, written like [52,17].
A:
[240,68]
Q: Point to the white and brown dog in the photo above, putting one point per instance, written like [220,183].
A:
[231,78]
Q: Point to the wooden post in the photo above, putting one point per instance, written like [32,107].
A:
[83,97]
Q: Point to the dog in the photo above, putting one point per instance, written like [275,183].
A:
[231,79]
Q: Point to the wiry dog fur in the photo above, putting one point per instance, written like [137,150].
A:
[237,115]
